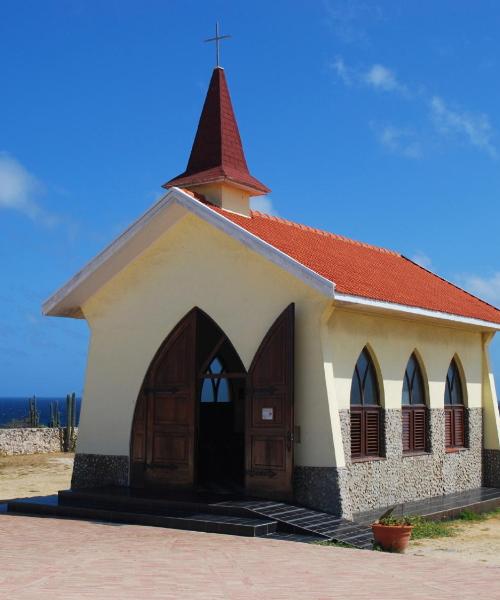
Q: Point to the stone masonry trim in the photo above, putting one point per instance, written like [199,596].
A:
[491,465]
[95,470]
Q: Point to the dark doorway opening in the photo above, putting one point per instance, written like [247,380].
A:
[221,410]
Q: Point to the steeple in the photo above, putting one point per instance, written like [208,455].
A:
[217,167]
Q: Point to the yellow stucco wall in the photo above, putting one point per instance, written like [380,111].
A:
[391,342]
[490,402]
[194,264]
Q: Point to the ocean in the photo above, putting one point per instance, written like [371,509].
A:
[17,409]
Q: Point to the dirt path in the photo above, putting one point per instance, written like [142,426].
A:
[477,541]
[34,474]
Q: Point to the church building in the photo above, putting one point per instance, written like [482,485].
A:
[240,352]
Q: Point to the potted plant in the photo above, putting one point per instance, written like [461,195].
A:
[392,533]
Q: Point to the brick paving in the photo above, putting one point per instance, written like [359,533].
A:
[61,559]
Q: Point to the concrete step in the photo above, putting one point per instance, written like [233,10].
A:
[190,521]
[113,499]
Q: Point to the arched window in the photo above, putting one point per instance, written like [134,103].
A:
[365,409]
[454,409]
[215,387]
[414,408]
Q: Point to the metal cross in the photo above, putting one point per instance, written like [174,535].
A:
[216,39]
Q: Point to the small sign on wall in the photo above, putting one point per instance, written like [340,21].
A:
[267,414]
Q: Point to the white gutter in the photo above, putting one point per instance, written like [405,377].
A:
[348,299]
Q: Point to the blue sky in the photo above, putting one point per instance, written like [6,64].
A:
[375,120]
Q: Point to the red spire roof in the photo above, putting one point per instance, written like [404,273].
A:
[217,153]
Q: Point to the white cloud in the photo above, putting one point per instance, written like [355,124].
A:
[399,140]
[476,128]
[377,77]
[342,70]
[18,190]
[487,288]
[350,19]
[382,78]
[263,204]
[422,259]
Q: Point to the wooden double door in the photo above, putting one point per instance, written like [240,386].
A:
[200,416]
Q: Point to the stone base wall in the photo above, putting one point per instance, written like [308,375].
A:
[491,468]
[398,477]
[95,470]
[322,488]
[24,440]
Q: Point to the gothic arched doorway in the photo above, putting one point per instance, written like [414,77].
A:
[201,419]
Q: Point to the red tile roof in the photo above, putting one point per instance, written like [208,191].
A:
[360,269]
[217,153]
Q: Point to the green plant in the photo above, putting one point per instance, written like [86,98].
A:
[69,432]
[390,520]
[425,528]
[422,527]
[387,518]
[468,515]
[33,414]
[55,415]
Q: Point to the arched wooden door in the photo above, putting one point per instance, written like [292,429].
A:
[163,433]
[164,440]
[269,422]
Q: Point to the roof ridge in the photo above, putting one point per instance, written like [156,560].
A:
[324,233]
[451,283]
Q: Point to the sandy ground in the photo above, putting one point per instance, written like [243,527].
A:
[475,541]
[34,474]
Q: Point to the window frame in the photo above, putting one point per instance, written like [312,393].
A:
[454,412]
[365,417]
[215,379]
[414,414]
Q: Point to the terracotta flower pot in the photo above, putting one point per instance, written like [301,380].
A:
[392,538]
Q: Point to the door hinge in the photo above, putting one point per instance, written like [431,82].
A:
[261,473]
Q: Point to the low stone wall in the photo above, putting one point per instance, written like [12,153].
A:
[24,440]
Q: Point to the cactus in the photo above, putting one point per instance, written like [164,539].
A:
[69,434]
[34,415]
[55,415]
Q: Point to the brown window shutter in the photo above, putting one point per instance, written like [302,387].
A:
[372,431]
[458,426]
[448,420]
[406,429]
[419,429]
[356,433]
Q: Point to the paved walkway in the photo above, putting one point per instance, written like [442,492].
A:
[61,559]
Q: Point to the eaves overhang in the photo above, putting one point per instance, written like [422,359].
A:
[415,312]
[69,299]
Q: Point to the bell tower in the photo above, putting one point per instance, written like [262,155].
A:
[217,167]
